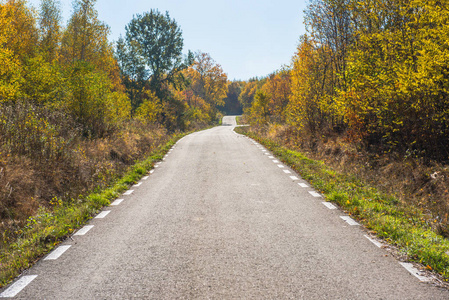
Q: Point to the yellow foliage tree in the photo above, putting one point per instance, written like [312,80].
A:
[207,82]
[278,89]
[10,66]
[259,111]
[23,38]
[86,39]
[310,106]
[50,29]
[149,112]
[43,82]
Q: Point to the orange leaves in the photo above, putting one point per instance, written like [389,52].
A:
[278,88]
[208,80]
[208,87]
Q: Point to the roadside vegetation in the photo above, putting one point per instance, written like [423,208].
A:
[77,112]
[51,225]
[365,100]
[405,226]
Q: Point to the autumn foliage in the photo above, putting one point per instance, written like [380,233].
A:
[76,110]
[367,91]
[374,71]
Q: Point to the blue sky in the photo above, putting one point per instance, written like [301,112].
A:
[247,38]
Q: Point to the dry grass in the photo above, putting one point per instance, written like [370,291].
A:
[44,157]
[401,224]
[412,180]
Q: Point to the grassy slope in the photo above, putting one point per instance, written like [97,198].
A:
[402,226]
[49,227]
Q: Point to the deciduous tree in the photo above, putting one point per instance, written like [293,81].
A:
[208,82]
[152,51]
[50,30]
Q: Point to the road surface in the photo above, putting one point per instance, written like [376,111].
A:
[220,218]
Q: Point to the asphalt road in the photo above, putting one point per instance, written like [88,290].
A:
[218,219]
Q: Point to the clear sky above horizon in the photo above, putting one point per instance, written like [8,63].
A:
[247,38]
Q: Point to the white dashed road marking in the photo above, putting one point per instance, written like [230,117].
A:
[379,245]
[414,271]
[55,254]
[152,171]
[145,178]
[280,166]
[271,157]
[315,194]
[137,184]
[117,202]
[128,192]
[329,205]
[102,214]
[287,172]
[276,161]
[294,178]
[303,185]
[349,220]
[19,285]
[84,230]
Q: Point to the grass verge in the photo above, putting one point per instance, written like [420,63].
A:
[51,226]
[403,226]
[237,120]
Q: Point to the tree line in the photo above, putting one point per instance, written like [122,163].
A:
[76,70]
[375,72]
[76,110]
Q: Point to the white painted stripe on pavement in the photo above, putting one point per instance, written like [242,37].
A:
[128,192]
[152,171]
[281,166]
[414,271]
[379,245]
[138,184]
[303,185]
[294,178]
[55,254]
[329,205]
[266,153]
[156,166]
[117,202]
[264,150]
[271,157]
[19,285]
[84,230]
[349,220]
[276,161]
[103,214]
[146,177]
[287,172]
[314,194]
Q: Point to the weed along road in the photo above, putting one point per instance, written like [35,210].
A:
[220,218]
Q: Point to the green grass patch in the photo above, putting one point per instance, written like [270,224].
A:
[237,120]
[403,226]
[49,227]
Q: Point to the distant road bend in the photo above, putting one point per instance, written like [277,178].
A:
[220,218]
